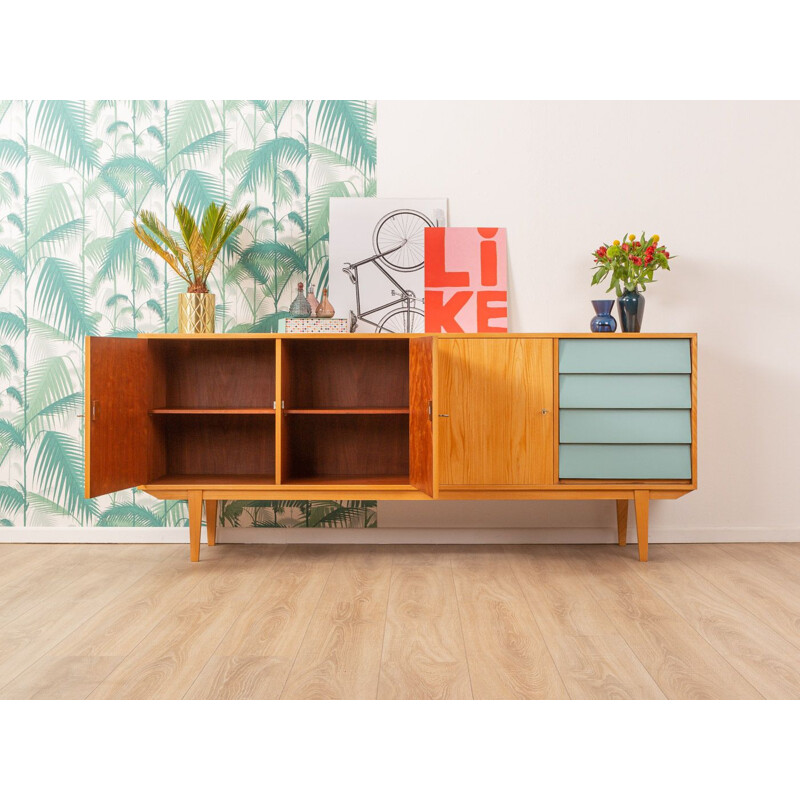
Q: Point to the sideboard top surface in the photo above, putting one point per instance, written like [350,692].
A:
[352,336]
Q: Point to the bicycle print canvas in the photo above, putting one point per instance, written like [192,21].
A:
[376,273]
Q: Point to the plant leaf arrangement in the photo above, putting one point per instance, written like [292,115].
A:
[630,265]
[194,256]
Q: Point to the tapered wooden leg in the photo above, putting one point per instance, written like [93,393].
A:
[642,502]
[622,522]
[195,521]
[211,522]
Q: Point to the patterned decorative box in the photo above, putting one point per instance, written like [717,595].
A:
[312,325]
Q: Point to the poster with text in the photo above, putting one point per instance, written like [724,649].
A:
[466,289]
[376,275]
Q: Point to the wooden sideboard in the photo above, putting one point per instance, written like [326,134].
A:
[216,417]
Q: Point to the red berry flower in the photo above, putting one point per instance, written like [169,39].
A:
[625,248]
[648,258]
[601,252]
[637,261]
[637,244]
[666,253]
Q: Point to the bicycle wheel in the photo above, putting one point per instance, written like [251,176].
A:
[404,232]
[398,322]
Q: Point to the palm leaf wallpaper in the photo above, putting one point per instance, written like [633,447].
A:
[73,175]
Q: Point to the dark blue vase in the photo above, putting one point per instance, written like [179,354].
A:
[631,311]
[603,322]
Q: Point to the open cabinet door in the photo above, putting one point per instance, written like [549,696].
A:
[423,415]
[123,448]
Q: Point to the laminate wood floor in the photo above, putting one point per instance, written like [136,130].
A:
[698,621]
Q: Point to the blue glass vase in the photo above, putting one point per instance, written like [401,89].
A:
[603,322]
[631,311]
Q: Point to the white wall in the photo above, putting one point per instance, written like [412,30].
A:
[719,182]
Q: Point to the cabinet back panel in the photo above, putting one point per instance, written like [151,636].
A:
[347,446]
[220,445]
[624,355]
[617,426]
[209,374]
[350,373]
[625,461]
[625,391]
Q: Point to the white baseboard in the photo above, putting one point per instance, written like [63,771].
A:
[394,535]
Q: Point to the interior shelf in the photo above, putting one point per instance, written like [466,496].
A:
[213,411]
[346,411]
[212,479]
[384,481]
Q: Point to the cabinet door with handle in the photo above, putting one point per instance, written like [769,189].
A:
[123,446]
[495,411]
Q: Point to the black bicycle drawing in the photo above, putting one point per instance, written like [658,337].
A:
[399,244]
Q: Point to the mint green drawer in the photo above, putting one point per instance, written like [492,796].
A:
[624,391]
[624,355]
[625,461]
[612,426]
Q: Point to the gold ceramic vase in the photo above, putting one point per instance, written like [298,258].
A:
[196,312]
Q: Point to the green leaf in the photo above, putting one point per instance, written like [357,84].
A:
[61,298]
[266,160]
[130,514]
[198,190]
[348,127]
[11,153]
[64,126]
[48,381]
[58,469]
[12,326]
[11,499]
[10,435]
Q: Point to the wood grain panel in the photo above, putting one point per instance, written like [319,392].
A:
[124,446]
[218,374]
[341,653]
[423,649]
[347,373]
[220,445]
[421,423]
[493,392]
[506,653]
[352,446]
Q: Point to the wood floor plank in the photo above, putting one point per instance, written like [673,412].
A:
[340,656]
[423,650]
[506,653]
[262,621]
[165,663]
[105,638]
[254,658]
[764,658]
[683,664]
[601,668]
[763,597]
[39,582]
[775,563]
[28,637]
[594,662]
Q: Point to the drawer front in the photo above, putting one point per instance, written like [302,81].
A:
[624,355]
[626,461]
[617,426]
[625,391]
